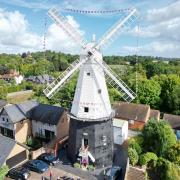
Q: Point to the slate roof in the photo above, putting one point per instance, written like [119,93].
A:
[47,113]
[173,120]
[6,146]
[18,112]
[130,111]
[41,79]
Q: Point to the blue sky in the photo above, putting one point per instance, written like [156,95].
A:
[22,26]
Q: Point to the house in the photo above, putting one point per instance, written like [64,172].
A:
[120,130]
[136,114]
[12,75]
[14,120]
[49,122]
[12,153]
[41,79]
[174,121]
[19,121]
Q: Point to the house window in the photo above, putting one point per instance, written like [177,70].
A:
[131,121]
[99,91]
[86,109]
[3,119]
[49,124]
[88,74]
[7,120]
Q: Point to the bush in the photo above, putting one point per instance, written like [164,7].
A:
[158,137]
[166,170]
[132,143]
[144,159]
[3,171]
[133,156]
[34,143]
[77,165]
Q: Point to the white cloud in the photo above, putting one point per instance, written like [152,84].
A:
[164,14]
[156,48]
[16,37]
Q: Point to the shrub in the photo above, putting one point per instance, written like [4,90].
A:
[144,159]
[77,165]
[34,143]
[133,156]
[3,172]
[166,170]
[132,143]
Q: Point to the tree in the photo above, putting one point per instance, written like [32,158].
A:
[169,90]
[3,171]
[158,137]
[133,156]
[148,92]
[173,154]
[144,159]
[134,145]
[166,170]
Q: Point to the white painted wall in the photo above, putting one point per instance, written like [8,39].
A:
[120,133]
[6,122]
[39,127]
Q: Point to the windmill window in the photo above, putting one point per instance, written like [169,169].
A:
[99,91]
[86,109]
[88,74]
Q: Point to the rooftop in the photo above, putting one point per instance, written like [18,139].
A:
[173,120]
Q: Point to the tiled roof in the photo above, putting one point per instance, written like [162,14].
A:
[155,114]
[42,79]
[131,111]
[173,120]
[47,113]
[6,146]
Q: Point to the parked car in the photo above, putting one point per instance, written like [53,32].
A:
[49,158]
[36,165]
[113,173]
[19,173]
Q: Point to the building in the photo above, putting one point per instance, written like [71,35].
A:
[19,121]
[49,122]
[136,114]
[41,79]
[120,130]
[12,75]
[174,122]
[14,120]
[12,153]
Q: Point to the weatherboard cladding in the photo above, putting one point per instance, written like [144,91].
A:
[6,146]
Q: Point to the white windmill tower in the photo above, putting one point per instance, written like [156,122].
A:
[91,114]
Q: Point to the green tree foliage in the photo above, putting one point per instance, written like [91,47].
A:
[144,159]
[158,137]
[134,145]
[3,172]
[173,154]
[166,170]
[169,92]
[149,92]
[133,156]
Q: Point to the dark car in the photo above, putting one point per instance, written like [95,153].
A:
[49,158]
[36,165]
[113,173]
[19,173]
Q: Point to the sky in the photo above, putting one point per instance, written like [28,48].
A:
[155,33]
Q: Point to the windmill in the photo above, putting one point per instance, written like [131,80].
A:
[91,131]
